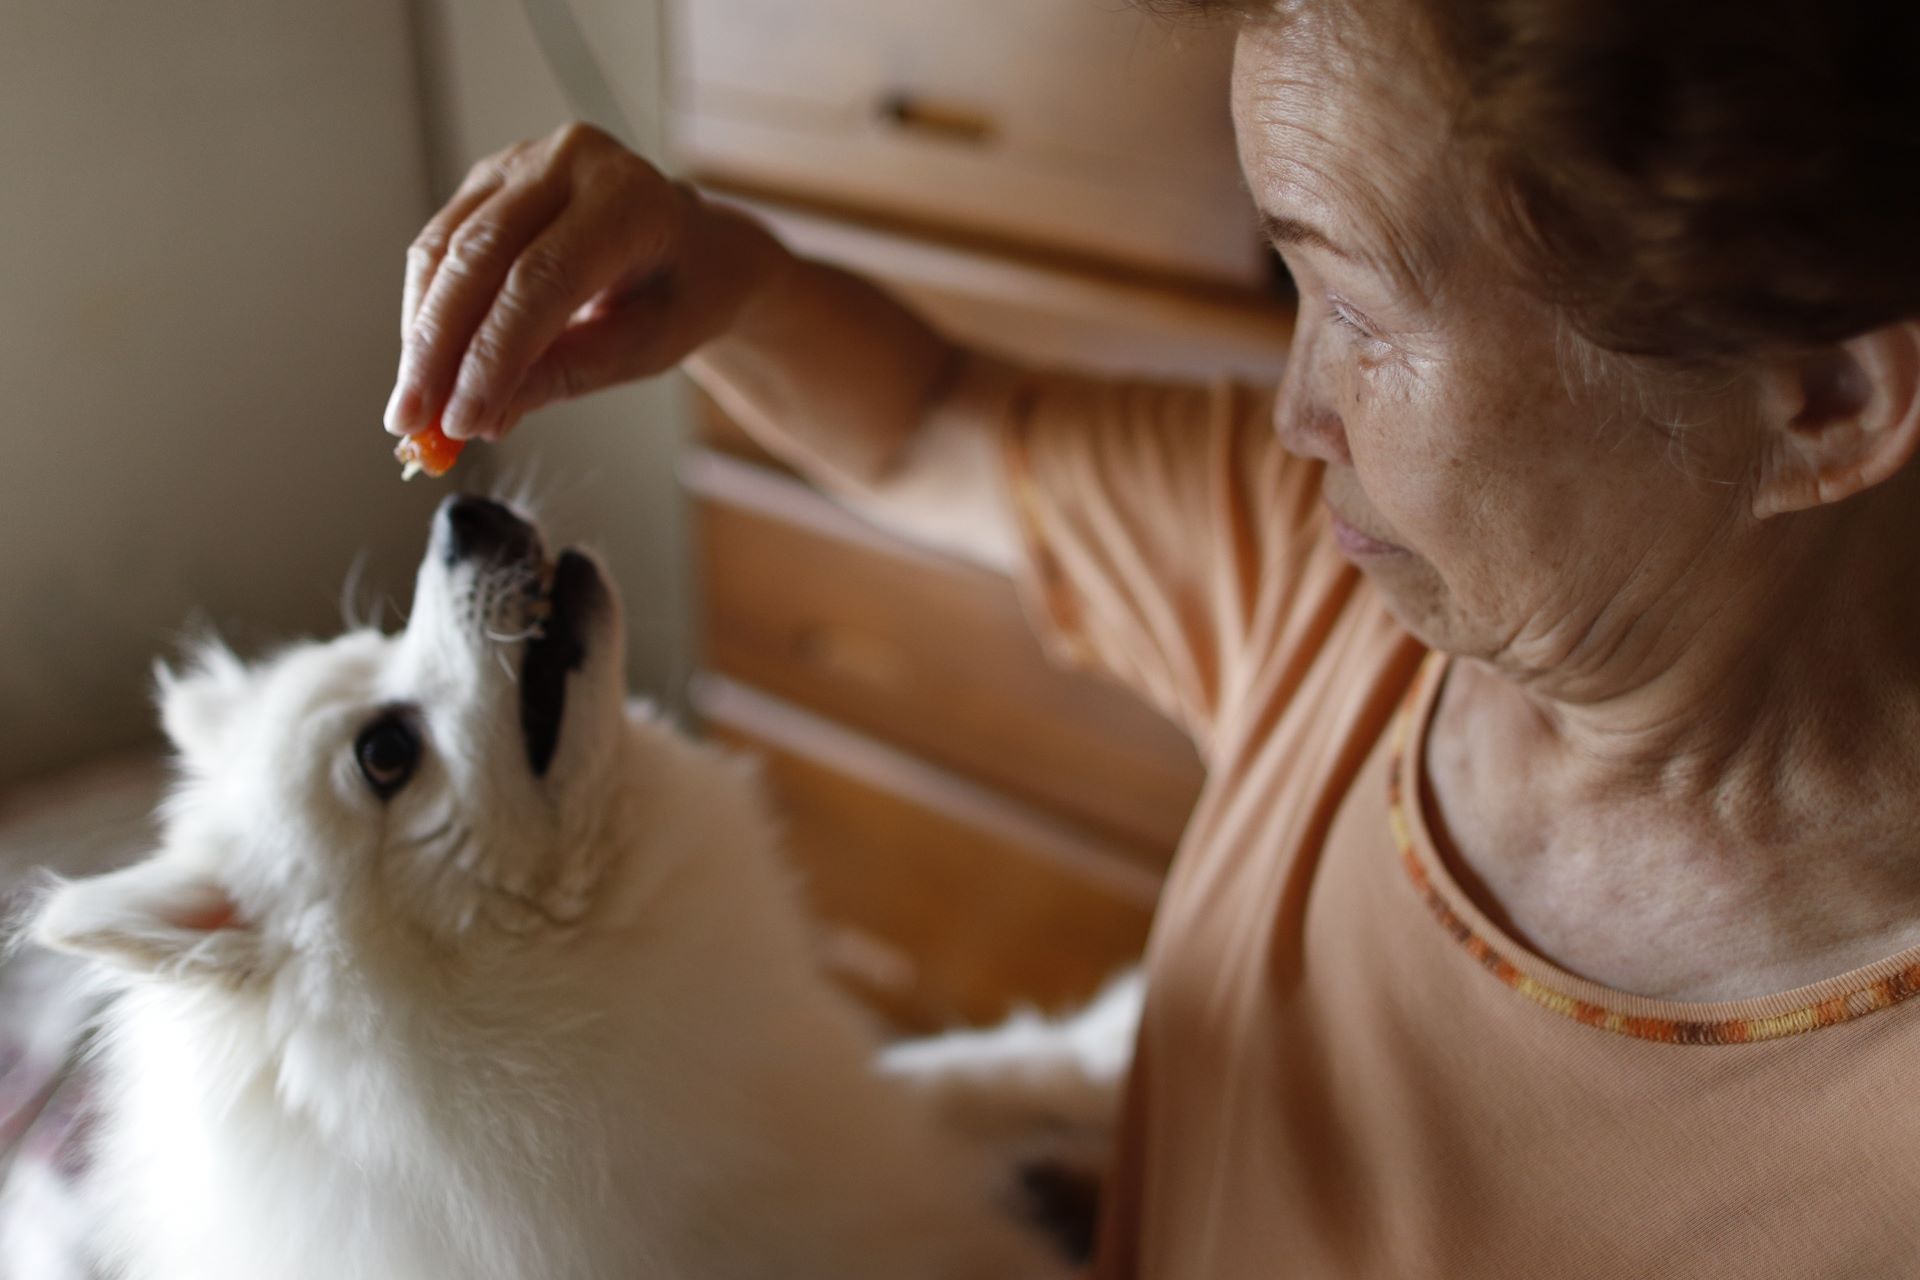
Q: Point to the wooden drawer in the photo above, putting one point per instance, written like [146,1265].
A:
[812,604]
[1086,126]
[1052,314]
[942,901]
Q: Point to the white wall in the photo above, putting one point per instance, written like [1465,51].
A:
[203,210]
[204,206]
[604,466]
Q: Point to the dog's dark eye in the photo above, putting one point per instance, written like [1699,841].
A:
[388,751]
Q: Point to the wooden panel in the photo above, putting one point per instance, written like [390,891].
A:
[1070,122]
[944,902]
[1045,313]
[807,601]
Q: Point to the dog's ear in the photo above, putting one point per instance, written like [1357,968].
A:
[195,698]
[161,917]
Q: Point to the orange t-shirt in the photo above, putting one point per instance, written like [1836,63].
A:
[1344,1069]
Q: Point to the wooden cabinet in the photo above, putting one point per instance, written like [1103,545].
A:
[976,828]
[1086,126]
[812,606]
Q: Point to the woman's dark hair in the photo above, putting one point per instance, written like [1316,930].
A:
[1694,180]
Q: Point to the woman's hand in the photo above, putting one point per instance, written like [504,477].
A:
[569,264]
[559,267]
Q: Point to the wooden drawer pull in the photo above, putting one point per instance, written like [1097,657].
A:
[931,118]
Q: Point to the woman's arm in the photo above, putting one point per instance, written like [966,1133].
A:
[570,264]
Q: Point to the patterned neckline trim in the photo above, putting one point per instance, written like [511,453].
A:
[1839,1000]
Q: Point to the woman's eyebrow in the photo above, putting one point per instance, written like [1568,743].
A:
[1290,231]
[1282,231]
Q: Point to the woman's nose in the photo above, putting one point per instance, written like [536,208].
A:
[1308,427]
[1303,415]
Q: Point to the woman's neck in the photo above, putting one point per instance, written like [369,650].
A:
[1723,806]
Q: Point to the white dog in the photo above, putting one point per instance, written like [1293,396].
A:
[448,967]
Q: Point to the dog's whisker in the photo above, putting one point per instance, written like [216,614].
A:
[518,487]
[414,842]
[456,856]
[350,609]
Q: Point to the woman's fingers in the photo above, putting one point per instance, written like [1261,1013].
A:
[559,267]
[592,247]
[430,246]
[587,357]
[480,252]
[691,299]
[640,337]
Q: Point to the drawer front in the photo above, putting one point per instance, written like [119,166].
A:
[805,601]
[1085,126]
[940,902]
[1043,314]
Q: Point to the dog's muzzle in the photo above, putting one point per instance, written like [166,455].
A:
[492,537]
[484,530]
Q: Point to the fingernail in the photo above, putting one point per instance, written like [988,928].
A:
[403,406]
[461,419]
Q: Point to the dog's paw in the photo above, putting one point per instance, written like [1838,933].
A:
[1033,1086]
[1063,1202]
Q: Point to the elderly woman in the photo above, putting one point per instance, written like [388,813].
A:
[1552,634]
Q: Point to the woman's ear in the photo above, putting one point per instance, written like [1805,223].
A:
[1842,419]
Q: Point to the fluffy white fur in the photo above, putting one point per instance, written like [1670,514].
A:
[498,1024]
[1033,1088]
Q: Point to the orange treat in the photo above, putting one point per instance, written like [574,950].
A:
[429,451]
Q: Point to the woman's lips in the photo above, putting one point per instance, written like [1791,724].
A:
[1357,544]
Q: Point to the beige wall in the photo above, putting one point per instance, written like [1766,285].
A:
[202,216]
[203,210]
[603,467]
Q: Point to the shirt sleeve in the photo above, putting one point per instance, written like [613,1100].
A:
[1148,514]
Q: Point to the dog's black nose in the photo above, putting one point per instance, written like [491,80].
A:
[482,529]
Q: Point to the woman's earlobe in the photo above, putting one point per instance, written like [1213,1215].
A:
[1841,420]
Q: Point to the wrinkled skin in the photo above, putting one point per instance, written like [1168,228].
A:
[1651,767]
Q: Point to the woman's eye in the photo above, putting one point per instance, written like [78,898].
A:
[388,751]
[1347,319]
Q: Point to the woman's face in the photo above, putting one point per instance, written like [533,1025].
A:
[1506,512]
